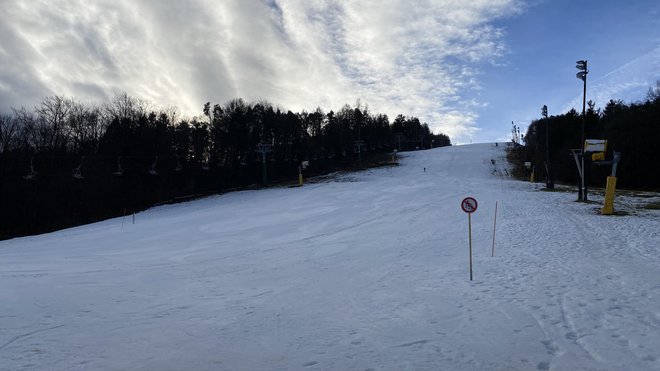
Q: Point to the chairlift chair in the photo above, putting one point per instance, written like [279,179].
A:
[178,164]
[152,169]
[32,175]
[120,170]
[77,173]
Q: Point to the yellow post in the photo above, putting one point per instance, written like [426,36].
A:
[531,178]
[608,207]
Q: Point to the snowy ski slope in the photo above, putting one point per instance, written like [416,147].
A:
[368,271]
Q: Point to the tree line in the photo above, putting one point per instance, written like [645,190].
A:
[633,129]
[66,163]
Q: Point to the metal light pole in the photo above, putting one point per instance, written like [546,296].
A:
[548,180]
[582,75]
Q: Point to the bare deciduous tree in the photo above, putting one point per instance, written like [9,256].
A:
[8,132]
[124,107]
[53,114]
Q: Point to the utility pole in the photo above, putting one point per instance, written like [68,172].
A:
[582,75]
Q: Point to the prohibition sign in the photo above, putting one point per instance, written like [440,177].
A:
[469,205]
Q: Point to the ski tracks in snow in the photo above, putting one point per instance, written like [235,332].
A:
[582,292]
[359,275]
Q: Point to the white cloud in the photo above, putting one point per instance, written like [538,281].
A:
[629,82]
[418,58]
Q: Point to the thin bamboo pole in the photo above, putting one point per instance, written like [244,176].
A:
[494,226]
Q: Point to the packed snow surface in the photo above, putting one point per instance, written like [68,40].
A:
[365,271]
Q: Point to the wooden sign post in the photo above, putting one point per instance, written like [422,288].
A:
[469,205]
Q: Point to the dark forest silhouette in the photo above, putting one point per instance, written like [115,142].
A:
[632,129]
[65,163]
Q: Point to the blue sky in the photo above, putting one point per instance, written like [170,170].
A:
[620,40]
[466,68]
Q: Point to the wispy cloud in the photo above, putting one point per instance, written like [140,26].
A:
[629,82]
[418,58]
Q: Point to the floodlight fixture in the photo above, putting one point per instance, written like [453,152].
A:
[581,65]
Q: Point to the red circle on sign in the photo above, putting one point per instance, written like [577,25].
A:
[469,205]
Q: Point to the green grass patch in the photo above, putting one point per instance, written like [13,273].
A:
[653,206]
